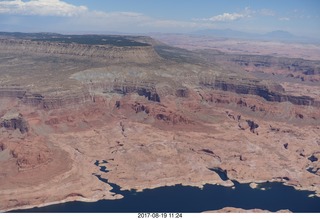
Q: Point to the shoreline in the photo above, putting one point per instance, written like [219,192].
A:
[87,200]
[200,185]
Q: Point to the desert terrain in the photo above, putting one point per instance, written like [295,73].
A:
[159,115]
[308,51]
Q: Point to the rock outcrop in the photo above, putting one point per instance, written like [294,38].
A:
[149,92]
[13,121]
[137,107]
[248,124]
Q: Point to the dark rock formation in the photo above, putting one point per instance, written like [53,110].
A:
[314,170]
[137,107]
[148,92]
[313,158]
[182,92]
[171,118]
[118,104]
[207,151]
[151,95]
[274,129]
[2,147]
[241,103]
[230,115]
[286,145]
[14,121]
[163,117]
[122,127]
[282,178]
[300,116]
[253,126]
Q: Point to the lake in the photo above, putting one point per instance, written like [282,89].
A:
[178,198]
[192,199]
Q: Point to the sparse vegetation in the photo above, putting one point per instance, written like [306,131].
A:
[113,40]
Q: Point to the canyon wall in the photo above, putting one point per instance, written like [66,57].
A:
[274,93]
[45,102]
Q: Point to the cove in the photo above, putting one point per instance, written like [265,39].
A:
[180,198]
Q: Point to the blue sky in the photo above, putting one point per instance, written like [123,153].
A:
[300,17]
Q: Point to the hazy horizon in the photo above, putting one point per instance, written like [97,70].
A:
[142,16]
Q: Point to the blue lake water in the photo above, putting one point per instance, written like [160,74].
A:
[191,199]
[180,198]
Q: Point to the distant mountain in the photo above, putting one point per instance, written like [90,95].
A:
[281,35]
[226,33]
[278,35]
